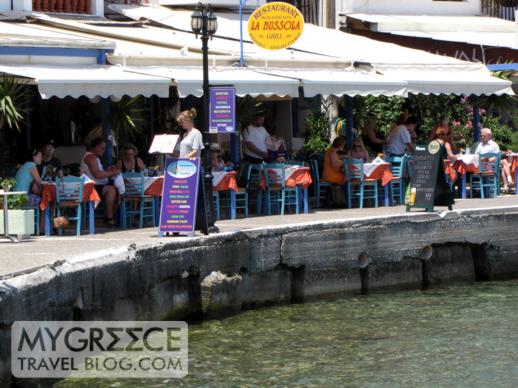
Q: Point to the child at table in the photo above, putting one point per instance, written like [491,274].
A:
[358,151]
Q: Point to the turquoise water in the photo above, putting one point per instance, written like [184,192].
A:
[460,335]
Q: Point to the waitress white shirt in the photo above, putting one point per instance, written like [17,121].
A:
[192,141]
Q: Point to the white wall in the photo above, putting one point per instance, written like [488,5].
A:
[410,7]
[5,5]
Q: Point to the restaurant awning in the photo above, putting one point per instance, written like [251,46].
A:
[328,82]
[279,81]
[427,72]
[90,81]
[189,81]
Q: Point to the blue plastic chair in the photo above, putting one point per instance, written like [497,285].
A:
[357,185]
[134,201]
[278,196]
[254,191]
[69,194]
[487,178]
[319,188]
[397,185]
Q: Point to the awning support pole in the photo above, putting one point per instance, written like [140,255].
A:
[107,130]
[476,123]
[349,123]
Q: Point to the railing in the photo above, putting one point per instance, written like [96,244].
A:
[503,9]
[63,6]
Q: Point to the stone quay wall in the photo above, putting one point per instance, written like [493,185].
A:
[220,274]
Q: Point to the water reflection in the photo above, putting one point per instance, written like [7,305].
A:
[460,335]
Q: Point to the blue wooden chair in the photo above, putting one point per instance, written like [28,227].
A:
[254,191]
[357,186]
[69,194]
[278,196]
[486,180]
[397,185]
[319,188]
[135,202]
[215,198]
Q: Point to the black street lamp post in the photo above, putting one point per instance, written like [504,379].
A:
[205,24]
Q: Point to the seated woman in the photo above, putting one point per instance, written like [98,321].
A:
[333,163]
[218,164]
[91,166]
[442,136]
[129,161]
[371,137]
[358,151]
[28,179]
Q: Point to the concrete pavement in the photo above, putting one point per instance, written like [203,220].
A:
[30,255]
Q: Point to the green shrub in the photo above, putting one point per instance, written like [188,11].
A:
[317,132]
[13,201]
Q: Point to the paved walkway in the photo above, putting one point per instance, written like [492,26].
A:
[29,255]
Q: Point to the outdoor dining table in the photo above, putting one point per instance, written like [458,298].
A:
[221,181]
[514,169]
[294,176]
[463,165]
[380,171]
[4,195]
[48,196]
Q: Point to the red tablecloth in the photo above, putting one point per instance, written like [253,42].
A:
[294,176]
[48,194]
[463,168]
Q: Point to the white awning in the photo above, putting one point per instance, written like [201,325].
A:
[91,81]
[343,82]
[189,80]
[464,83]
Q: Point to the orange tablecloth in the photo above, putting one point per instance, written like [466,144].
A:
[227,182]
[48,194]
[382,173]
[449,170]
[294,175]
[514,164]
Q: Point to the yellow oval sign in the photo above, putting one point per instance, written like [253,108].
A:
[275,26]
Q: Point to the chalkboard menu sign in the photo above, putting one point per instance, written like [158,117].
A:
[428,186]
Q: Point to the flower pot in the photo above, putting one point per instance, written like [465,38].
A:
[21,222]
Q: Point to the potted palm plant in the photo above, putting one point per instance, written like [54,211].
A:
[14,106]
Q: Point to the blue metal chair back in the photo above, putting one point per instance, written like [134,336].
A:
[69,189]
[134,184]
[272,177]
[353,170]
[397,165]
[487,166]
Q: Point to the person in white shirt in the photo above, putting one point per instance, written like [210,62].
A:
[488,146]
[192,141]
[255,137]
[399,139]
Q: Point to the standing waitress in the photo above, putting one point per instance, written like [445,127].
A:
[192,140]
